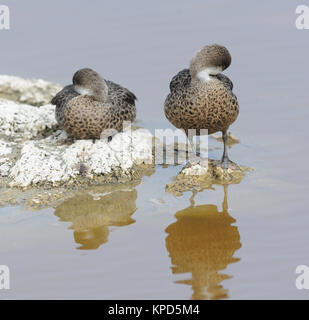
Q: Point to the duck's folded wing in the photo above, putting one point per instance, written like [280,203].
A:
[180,80]
[64,96]
[119,95]
[225,80]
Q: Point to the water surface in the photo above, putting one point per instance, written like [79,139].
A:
[137,241]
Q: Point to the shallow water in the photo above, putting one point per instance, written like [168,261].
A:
[137,241]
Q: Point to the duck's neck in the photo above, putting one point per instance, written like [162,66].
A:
[208,74]
[83,91]
[99,93]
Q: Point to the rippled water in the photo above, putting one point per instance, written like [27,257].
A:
[136,241]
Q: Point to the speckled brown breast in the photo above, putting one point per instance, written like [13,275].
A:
[199,105]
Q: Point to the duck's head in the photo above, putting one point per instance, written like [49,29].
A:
[209,61]
[88,82]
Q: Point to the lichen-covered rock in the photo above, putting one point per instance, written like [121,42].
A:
[25,121]
[34,92]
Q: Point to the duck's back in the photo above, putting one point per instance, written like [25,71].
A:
[122,100]
[119,95]
[199,105]
[180,80]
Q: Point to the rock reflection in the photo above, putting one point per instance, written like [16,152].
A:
[202,242]
[94,212]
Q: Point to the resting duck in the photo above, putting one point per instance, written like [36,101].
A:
[91,106]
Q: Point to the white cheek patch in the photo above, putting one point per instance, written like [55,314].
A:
[205,74]
[83,91]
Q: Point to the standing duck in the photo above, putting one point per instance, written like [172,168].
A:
[202,98]
[92,105]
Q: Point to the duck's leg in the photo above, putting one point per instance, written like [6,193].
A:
[225,161]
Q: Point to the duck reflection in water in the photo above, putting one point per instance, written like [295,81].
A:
[94,212]
[202,242]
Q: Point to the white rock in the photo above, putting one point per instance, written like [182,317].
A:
[33,92]
[5,167]
[21,120]
[47,161]
[6,149]
[196,170]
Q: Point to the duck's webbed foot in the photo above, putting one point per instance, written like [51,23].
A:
[226,163]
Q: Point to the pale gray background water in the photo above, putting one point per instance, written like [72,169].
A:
[142,44]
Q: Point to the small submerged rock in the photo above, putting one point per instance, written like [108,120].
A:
[203,175]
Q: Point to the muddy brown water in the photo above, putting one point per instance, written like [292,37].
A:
[137,241]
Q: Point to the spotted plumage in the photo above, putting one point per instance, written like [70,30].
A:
[93,107]
[201,97]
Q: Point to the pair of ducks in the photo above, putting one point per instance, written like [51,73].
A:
[200,98]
